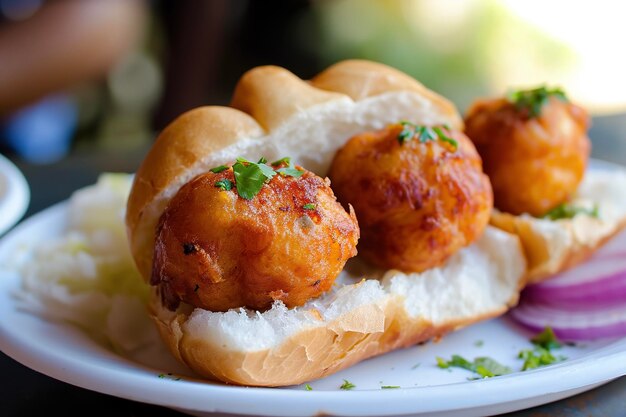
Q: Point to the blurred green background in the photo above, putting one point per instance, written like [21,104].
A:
[189,53]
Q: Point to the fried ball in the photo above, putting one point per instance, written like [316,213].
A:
[417,202]
[534,163]
[217,250]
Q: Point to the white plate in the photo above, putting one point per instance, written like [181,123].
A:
[64,352]
[14,194]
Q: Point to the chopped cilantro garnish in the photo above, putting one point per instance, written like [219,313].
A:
[547,339]
[282,161]
[289,170]
[568,211]
[347,385]
[534,358]
[219,169]
[171,376]
[309,206]
[483,366]
[541,354]
[424,134]
[533,100]
[251,176]
[441,362]
[390,386]
[224,184]
[307,387]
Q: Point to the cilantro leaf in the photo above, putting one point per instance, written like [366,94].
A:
[534,358]
[347,385]
[390,386]
[290,172]
[282,161]
[534,99]
[484,366]
[224,184]
[250,177]
[547,339]
[424,134]
[307,387]
[309,206]
[219,169]
[569,211]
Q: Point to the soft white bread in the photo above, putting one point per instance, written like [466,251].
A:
[552,246]
[358,320]
[276,114]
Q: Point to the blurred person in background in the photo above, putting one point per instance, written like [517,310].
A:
[48,47]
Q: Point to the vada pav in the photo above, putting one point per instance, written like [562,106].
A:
[418,191]
[534,148]
[249,234]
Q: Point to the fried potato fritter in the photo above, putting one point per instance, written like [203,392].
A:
[534,162]
[217,251]
[417,201]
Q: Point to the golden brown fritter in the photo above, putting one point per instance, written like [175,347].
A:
[417,203]
[534,163]
[217,250]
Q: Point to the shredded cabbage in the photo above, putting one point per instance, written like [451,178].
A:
[87,276]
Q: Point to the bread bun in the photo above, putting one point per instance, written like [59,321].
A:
[275,114]
[552,246]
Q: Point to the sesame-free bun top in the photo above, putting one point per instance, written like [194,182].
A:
[274,114]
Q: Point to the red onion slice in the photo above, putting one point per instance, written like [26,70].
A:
[586,324]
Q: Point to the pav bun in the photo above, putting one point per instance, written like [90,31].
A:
[367,312]
[535,150]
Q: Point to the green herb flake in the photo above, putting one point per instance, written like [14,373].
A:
[479,343]
[309,206]
[484,366]
[283,161]
[219,169]
[541,354]
[250,177]
[569,211]
[442,363]
[537,357]
[347,385]
[290,172]
[424,134]
[171,376]
[307,387]
[534,99]
[417,365]
[224,184]
[390,386]
[547,339]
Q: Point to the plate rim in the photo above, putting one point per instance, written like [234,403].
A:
[14,203]
[139,383]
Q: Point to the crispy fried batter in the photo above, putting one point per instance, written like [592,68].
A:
[534,163]
[218,251]
[417,203]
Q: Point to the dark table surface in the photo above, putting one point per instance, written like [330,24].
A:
[25,392]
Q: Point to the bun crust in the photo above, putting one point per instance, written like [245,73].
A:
[275,114]
[554,246]
[373,318]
